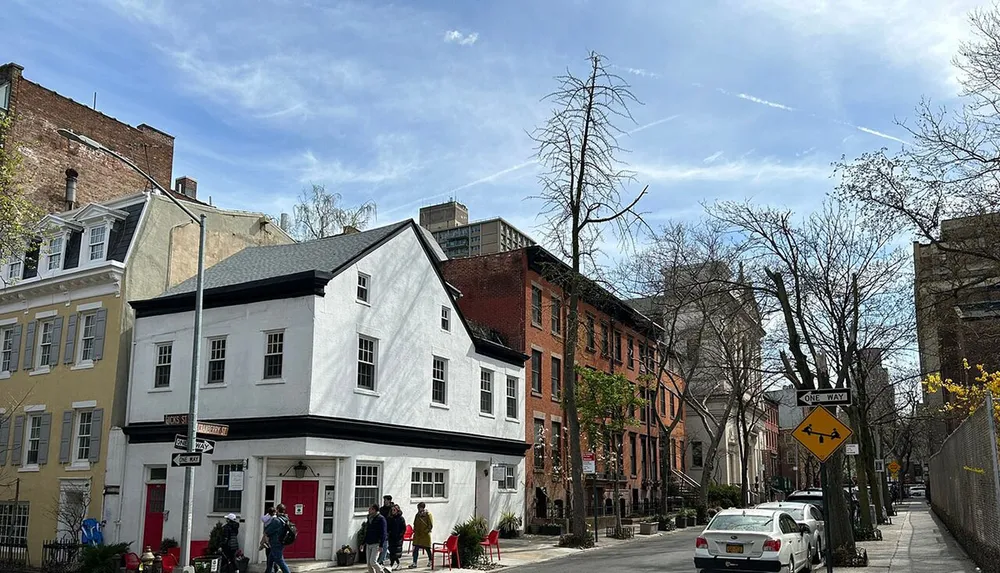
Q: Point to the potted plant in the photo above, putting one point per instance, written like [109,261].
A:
[345,556]
[680,520]
[510,525]
[692,517]
[167,544]
[701,515]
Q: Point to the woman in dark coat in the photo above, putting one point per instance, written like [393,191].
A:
[397,529]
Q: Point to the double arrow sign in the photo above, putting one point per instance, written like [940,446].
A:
[825,397]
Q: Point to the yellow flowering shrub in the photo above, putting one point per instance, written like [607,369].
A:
[966,399]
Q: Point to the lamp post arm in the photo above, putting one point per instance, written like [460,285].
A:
[149,178]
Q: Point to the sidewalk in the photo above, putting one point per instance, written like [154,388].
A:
[916,542]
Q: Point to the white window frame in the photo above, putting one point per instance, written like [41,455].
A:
[439,376]
[509,483]
[233,466]
[208,368]
[373,363]
[51,323]
[29,419]
[487,389]
[78,436]
[364,291]
[157,364]
[82,337]
[421,483]
[5,95]
[14,518]
[511,393]
[103,243]
[274,348]
[376,478]
[445,318]
[53,255]
[9,272]
[6,348]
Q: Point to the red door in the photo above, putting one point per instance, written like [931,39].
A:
[152,530]
[301,499]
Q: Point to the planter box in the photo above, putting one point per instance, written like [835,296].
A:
[345,559]
[680,522]
[692,521]
[648,528]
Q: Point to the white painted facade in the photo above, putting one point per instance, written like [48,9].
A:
[319,378]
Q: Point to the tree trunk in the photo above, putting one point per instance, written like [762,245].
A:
[666,466]
[855,417]
[868,451]
[841,532]
[578,523]
[713,449]
[618,447]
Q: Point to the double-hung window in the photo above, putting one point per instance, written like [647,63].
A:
[33,440]
[556,378]
[216,360]
[14,270]
[445,318]
[55,254]
[536,306]
[274,354]
[45,335]
[536,371]
[164,357]
[87,323]
[509,482]
[84,430]
[6,348]
[539,445]
[590,333]
[366,486]
[556,442]
[224,500]
[428,484]
[364,286]
[14,522]
[439,381]
[557,316]
[512,384]
[367,350]
[486,391]
[98,239]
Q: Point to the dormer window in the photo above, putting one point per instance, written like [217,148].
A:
[13,271]
[55,255]
[98,240]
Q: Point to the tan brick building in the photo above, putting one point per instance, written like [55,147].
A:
[517,296]
[48,159]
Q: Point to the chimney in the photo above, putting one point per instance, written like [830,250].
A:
[285,222]
[71,175]
[349,230]
[187,187]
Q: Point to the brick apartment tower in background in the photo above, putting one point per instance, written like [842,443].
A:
[49,159]
[449,224]
[517,295]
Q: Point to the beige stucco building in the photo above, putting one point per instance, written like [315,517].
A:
[65,339]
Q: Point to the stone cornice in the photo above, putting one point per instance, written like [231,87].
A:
[19,296]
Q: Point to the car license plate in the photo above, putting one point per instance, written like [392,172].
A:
[734,548]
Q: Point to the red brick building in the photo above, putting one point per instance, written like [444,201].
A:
[49,159]
[517,294]
[770,455]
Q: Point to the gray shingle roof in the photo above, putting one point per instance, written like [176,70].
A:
[258,263]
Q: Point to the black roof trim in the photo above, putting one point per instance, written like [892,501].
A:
[275,427]
[289,286]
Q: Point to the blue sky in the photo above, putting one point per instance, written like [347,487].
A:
[412,103]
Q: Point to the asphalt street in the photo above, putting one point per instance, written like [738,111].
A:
[671,552]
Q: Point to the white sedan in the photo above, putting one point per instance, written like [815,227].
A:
[808,514]
[753,540]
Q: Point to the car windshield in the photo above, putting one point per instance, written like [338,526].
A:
[741,523]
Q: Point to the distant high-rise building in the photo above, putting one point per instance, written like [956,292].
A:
[449,224]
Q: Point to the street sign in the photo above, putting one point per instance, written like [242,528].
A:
[589,463]
[853,449]
[822,433]
[200,444]
[827,396]
[185,460]
[880,466]
[203,427]
[894,467]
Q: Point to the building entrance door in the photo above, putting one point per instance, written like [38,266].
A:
[301,499]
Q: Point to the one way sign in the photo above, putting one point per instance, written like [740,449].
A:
[824,397]
[200,444]
[185,460]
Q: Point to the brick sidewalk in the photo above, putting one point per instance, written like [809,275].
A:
[916,542]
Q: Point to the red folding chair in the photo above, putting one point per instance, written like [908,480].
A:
[132,562]
[408,537]
[169,563]
[492,540]
[448,548]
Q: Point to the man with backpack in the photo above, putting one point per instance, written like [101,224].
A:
[280,532]
[376,537]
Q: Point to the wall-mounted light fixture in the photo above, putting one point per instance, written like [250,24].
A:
[299,470]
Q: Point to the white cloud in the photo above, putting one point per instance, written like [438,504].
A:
[456,37]
[652,124]
[713,157]
[733,171]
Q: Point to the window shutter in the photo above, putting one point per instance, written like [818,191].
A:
[29,345]
[100,324]
[96,427]
[15,355]
[66,437]
[15,450]
[57,325]
[43,443]
[70,338]
[4,439]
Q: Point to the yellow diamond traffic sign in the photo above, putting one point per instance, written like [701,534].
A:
[822,433]
[894,467]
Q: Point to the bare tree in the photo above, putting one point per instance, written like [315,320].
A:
[18,215]
[320,213]
[69,508]
[582,186]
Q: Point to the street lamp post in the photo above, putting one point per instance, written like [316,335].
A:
[196,350]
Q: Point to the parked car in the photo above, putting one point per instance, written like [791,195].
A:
[808,514]
[918,491]
[752,540]
[812,496]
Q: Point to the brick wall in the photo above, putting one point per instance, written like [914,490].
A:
[39,112]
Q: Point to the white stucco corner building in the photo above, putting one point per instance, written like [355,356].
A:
[345,372]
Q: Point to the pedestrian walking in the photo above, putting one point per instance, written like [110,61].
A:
[230,542]
[396,526]
[384,511]
[275,531]
[376,537]
[423,524]
[265,545]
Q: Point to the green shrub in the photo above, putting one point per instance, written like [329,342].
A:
[102,558]
[724,495]
[510,525]
[215,540]
[576,541]
[168,544]
[470,534]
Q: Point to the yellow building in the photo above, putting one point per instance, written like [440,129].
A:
[65,338]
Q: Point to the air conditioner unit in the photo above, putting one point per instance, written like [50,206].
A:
[499,473]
